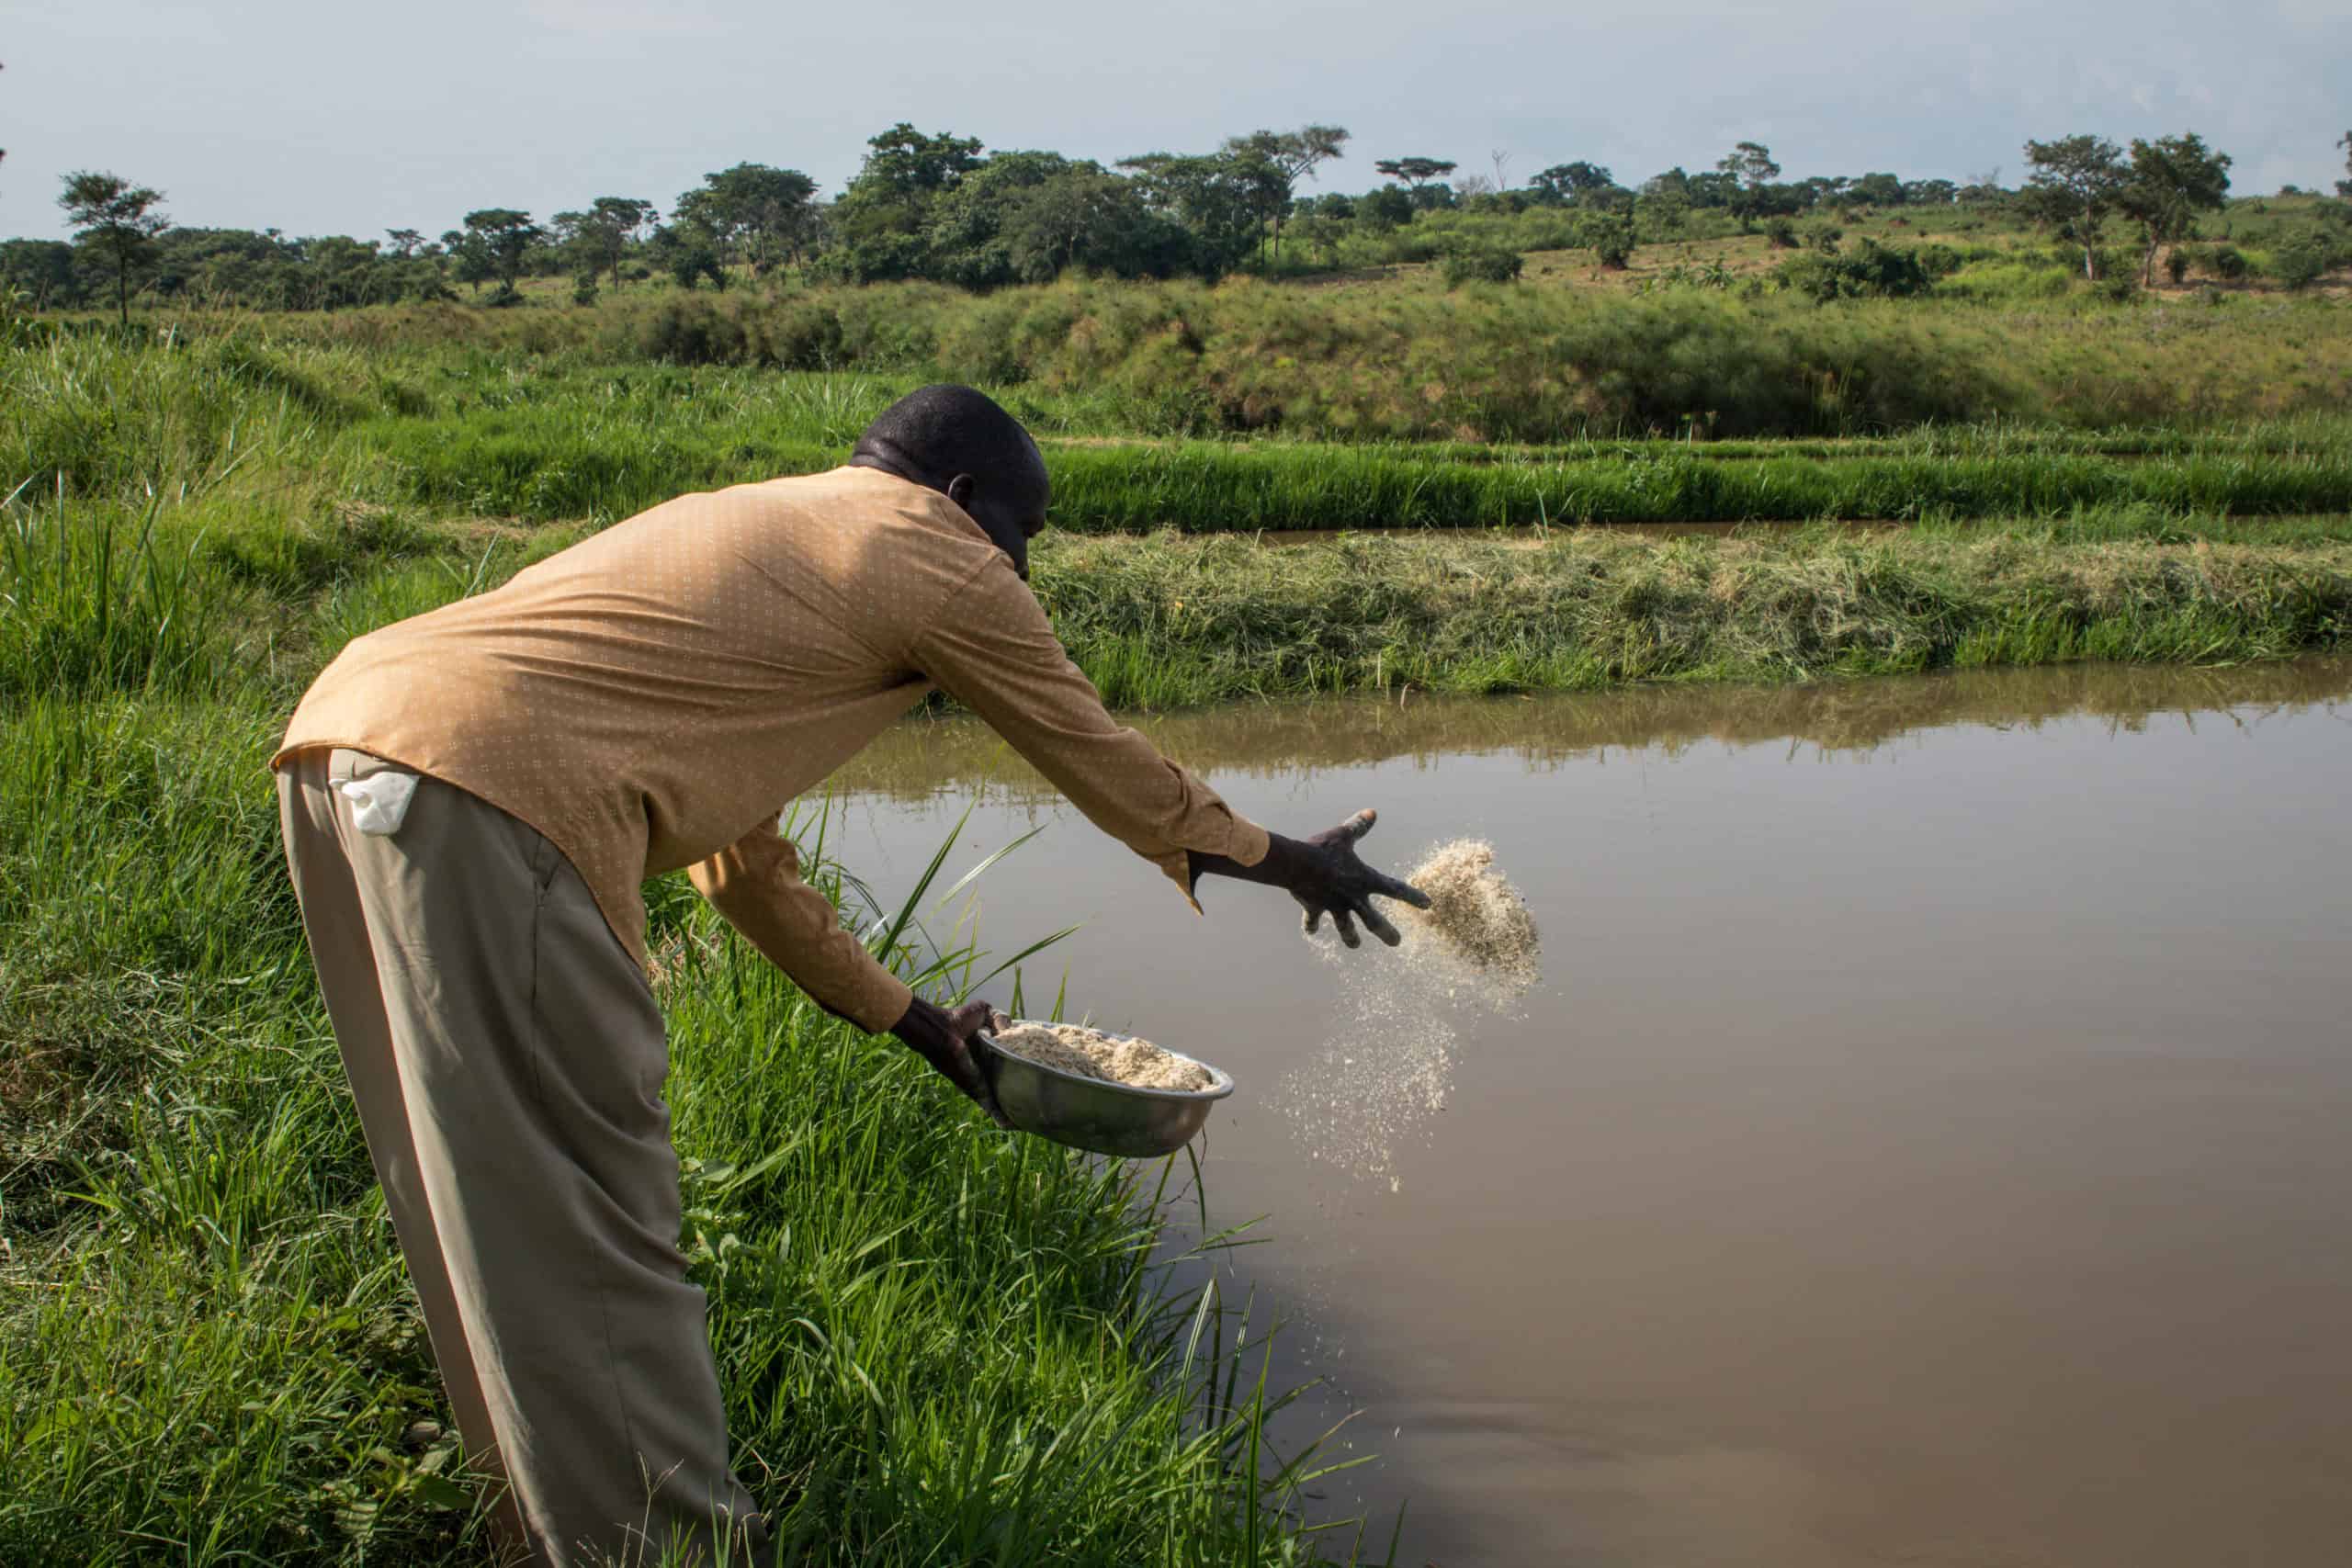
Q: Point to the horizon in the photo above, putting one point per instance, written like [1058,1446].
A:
[262,125]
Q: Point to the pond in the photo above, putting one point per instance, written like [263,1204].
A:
[1930,1140]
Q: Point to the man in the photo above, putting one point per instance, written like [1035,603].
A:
[470,800]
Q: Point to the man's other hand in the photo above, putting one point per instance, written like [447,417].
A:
[944,1038]
[1327,877]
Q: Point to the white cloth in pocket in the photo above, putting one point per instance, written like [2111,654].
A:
[379,801]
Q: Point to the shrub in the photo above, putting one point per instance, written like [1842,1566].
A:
[2302,261]
[691,332]
[2176,266]
[1870,271]
[1482,263]
[2227,262]
[1782,234]
[1610,236]
[802,335]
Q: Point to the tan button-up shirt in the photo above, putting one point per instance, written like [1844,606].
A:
[652,697]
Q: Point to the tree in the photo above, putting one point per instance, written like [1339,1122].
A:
[2077,181]
[1086,216]
[1571,183]
[1929,193]
[906,164]
[1387,208]
[118,221]
[1415,172]
[1749,165]
[42,270]
[1880,190]
[2173,179]
[1271,163]
[468,257]
[763,215]
[687,255]
[1610,236]
[1749,162]
[1216,198]
[2343,187]
[599,236]
[506,237]
[404,242]
[880,220]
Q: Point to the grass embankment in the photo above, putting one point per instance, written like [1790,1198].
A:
[939,1345]
[1171,621]
[585,442]
[1405,359]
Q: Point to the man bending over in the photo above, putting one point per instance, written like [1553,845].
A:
[470,800]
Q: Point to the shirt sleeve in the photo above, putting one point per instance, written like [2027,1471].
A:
[991,646]
[755,883]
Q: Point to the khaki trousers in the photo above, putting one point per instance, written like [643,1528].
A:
[507,1058]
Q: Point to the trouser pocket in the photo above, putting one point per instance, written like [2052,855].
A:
[376,793]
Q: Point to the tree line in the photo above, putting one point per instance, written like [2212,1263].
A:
[938,207]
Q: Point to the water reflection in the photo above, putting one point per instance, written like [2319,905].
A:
[1927,1145]
[928,756]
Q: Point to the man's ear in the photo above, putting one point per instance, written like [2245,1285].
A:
[959,490]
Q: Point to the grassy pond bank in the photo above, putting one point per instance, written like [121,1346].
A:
[938,1345]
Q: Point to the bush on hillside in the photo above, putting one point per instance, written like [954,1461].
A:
[1870,271]
[2307,258]
[1482,263]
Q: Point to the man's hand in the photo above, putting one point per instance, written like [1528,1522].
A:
[945,1040]
[1327,877]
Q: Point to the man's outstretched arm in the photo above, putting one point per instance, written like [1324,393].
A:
[991,648]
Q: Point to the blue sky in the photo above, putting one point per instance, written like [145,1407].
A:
[350,120]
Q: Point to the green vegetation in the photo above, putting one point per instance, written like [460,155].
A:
[940,1344]
[941,208]
[1170,621]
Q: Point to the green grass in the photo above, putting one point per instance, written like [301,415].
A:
[939,1345]
[1402,359]
[1170,621]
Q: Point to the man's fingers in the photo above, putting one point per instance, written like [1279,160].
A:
[1311,920]
[1346,927]
[1377,924]
[1391,887]
[1356,827]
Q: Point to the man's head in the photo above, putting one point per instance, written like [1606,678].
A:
[959,442]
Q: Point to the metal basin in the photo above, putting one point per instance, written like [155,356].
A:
[1093,1114]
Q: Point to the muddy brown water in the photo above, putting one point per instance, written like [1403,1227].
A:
[1930,1143]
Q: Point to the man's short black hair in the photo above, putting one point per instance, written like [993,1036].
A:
[935,433]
